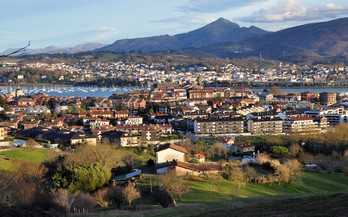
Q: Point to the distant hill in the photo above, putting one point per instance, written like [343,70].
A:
[221,30]
[56,50]
[317,42]
[310,42]
[324,42]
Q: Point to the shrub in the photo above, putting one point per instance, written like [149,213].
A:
[81,178]
[346,171]
[280,151]
[162,198]
[150,163]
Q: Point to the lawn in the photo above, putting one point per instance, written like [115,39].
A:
[311,182]
[252,139]
[36,155]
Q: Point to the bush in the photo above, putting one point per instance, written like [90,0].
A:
[150,163]
[346,171]
[162,198]
[84,201]
[115,194]
[81,178]
[280,151]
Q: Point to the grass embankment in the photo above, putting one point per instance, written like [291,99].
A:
[36,155]
[335,204]
[311,182]
[317,194]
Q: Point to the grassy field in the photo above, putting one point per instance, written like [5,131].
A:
[35,156]
[311,182]
[317,194]
[332,204]
[251,139]
[297,205]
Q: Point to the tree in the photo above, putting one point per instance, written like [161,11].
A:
[102,154]
[162,198]
[30,144]
[115,194]
[77,178]
[64,198]
[280,151]
[84,201]
[102,197]
[214,180]
[282,173]
[130,193]
[293,165]
[295,149]
[173,184]
[233,171]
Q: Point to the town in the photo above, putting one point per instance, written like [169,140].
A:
[182,128]
[149,74]
[169,112]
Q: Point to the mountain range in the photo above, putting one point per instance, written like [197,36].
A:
[56,50]
[220,30]
[316,42]
[324,42]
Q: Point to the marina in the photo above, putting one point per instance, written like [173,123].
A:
[69,91]
[94,91]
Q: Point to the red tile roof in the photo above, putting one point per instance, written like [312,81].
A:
[199,156]
[172,146]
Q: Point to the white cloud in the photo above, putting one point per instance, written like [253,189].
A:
[294,10]
[191,18]
[106,32]
[213,6]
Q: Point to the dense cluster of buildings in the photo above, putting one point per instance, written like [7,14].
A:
[180,101]
[161,114]
[151,74]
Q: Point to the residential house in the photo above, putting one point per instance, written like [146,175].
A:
[119,138]
[199,157]
[83,138]
[242,148]
[170,152]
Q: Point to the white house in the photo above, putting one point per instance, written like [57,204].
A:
[170,152]
[199,157]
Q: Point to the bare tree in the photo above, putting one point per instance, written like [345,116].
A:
[102,197]
[64,198]
[30,144]
[7,186]
[234,172]
[84,201]
[173,184]
[115,194]
[16,51]
[283,173]
[214,180]
[130,193]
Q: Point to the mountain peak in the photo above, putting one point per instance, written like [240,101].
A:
[223,22]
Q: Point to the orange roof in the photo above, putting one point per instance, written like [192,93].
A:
[172,146]
[199,156]
[178,148]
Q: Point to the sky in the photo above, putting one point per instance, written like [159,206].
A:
[66,23]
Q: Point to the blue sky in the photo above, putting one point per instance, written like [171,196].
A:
[67,23]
